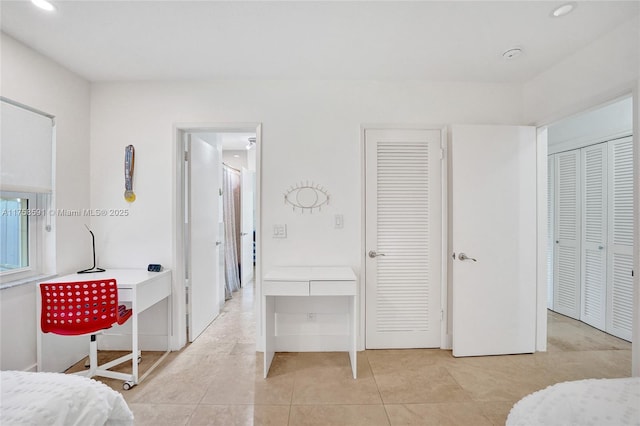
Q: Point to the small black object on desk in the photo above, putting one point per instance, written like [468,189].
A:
[154,267]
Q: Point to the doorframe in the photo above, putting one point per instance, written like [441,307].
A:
[541,238]
[445,335]
[178,300]
[602,99]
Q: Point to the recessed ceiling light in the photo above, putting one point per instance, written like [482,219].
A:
[236,156]
[563,10]
[512,53]
[44,4]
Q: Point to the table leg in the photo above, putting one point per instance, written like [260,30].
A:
[269,332]
[353,339]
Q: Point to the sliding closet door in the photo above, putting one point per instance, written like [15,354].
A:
[594,235]
[566,274]
[620,247]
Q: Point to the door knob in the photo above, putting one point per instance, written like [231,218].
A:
[372,254]
[463,256]
[218,243]
[242,234]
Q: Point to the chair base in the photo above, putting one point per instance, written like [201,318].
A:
[103,370]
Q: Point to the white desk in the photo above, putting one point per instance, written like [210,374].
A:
[142,290]
[307,281]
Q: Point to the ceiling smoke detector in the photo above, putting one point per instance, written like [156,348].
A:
[512,53]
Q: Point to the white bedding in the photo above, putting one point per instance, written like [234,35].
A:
[59,399]
[598,402]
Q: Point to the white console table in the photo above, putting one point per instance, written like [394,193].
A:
[310,282]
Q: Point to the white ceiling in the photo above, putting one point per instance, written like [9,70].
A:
[381,40]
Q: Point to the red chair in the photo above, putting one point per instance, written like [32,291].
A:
[86,307]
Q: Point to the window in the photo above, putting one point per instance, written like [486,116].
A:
[26,153]
[14,226]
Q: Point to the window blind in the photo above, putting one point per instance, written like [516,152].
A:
[26,149]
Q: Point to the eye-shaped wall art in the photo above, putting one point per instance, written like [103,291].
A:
[305,196]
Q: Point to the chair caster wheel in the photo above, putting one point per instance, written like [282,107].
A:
[127,385]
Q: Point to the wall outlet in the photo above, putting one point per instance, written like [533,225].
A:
[311,316]
[279,231]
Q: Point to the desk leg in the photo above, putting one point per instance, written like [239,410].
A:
[164,355]
[353,338]
[134,341]
[269,332]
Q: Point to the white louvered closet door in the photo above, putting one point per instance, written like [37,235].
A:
[620,247]
[566,274]
[550,227]
[594,235]
[403,238]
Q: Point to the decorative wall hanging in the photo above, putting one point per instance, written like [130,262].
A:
[305,196]
[129,159]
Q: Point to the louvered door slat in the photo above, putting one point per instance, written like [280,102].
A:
[594,235]
[566,298]
[403,223]
[620,262]
[394,161]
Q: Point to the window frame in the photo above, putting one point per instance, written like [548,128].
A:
[39,205]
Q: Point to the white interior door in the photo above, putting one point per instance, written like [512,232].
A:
[220,245]
[203,223]
[403,238]
[594,235]
[620,247]
[493,191]
[566,274]
[246,232]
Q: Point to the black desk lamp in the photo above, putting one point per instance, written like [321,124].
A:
[93,268]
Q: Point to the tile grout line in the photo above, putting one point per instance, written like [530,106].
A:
[384,406]
[293,389]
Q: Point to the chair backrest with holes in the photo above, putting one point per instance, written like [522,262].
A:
[78,307]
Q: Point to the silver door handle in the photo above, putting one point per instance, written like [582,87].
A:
[218,243]
[242,234]
[463,256]
[373,254]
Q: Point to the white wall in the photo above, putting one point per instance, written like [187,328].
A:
[598,125]
[311,131]
[30,78]
[600,72]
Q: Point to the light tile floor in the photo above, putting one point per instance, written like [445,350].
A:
[217,380]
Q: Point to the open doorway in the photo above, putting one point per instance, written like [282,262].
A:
[239,170]
[590,228]
[217,217]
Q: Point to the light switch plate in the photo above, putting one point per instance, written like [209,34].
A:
[279,231]
[338,221]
